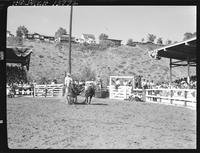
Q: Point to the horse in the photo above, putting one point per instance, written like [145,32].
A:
[72,91]
[89,93]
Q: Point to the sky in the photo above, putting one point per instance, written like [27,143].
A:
[118,22]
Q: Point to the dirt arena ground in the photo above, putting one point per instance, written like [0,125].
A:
[105,124]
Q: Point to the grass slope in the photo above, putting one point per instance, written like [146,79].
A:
[51,60]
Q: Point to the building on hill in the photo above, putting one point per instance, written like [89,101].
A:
[42,37]
[115,41]
[39,37]
[79,40]
[9,34]
[46,39]
[64,38]
[36,36]
[88,38]
[29,36]
[49,38]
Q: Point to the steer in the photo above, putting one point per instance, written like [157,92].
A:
[89,93]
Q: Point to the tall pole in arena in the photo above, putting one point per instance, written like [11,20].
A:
[70,37]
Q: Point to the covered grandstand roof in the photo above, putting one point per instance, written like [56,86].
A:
[18,55]
[180,51]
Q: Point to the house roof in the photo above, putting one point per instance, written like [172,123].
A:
[179,51]
[114,39]
[36,33]
[89,36]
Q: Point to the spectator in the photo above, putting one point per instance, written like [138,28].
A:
[125,83]
[55,81]
[117,83]
[52,82]
[143,83]
[151,84]
[99,82]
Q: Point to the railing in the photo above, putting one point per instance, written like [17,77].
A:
[52,90]
[180,97]
[122,92]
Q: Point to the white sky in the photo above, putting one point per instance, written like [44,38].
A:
[118,22]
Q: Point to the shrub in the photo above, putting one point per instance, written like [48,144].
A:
[41,56]
[43,80]
[12,41]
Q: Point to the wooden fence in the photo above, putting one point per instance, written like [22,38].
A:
[52,90]
[179,97]
[122,92]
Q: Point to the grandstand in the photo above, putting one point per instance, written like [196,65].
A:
[179,54]
[17,65]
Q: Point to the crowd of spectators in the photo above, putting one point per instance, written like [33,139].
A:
[142,83]
[15,75]
[181,83]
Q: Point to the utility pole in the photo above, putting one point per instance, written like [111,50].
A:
[70,37]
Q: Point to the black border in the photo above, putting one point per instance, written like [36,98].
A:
[3,27]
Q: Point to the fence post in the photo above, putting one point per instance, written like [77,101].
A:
[171,92]
[144,95]
[185,95]
[34,91]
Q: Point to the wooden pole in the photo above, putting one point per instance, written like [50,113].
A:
[110,87]
[188,66]
[170,71]
[70,35]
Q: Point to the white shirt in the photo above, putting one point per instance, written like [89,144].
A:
[118,82]
[68,80]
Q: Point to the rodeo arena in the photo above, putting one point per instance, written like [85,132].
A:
[128,113]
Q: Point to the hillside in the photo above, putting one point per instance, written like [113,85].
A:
[51,61]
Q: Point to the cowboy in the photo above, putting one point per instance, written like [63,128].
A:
[68,80]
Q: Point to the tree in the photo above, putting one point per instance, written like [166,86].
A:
[61,31]
[43,80]
[87,74]
[188,35]
[21,31]
[12,41]
[151,38]
[160,41]
[103,36]
[130,42]
[168,42]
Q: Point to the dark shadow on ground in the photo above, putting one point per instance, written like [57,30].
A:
[98,104]
[83,103]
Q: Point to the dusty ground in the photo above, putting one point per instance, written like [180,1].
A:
[50,123]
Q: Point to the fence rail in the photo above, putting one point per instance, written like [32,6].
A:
[179,97]
[122,92]
[52,90]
